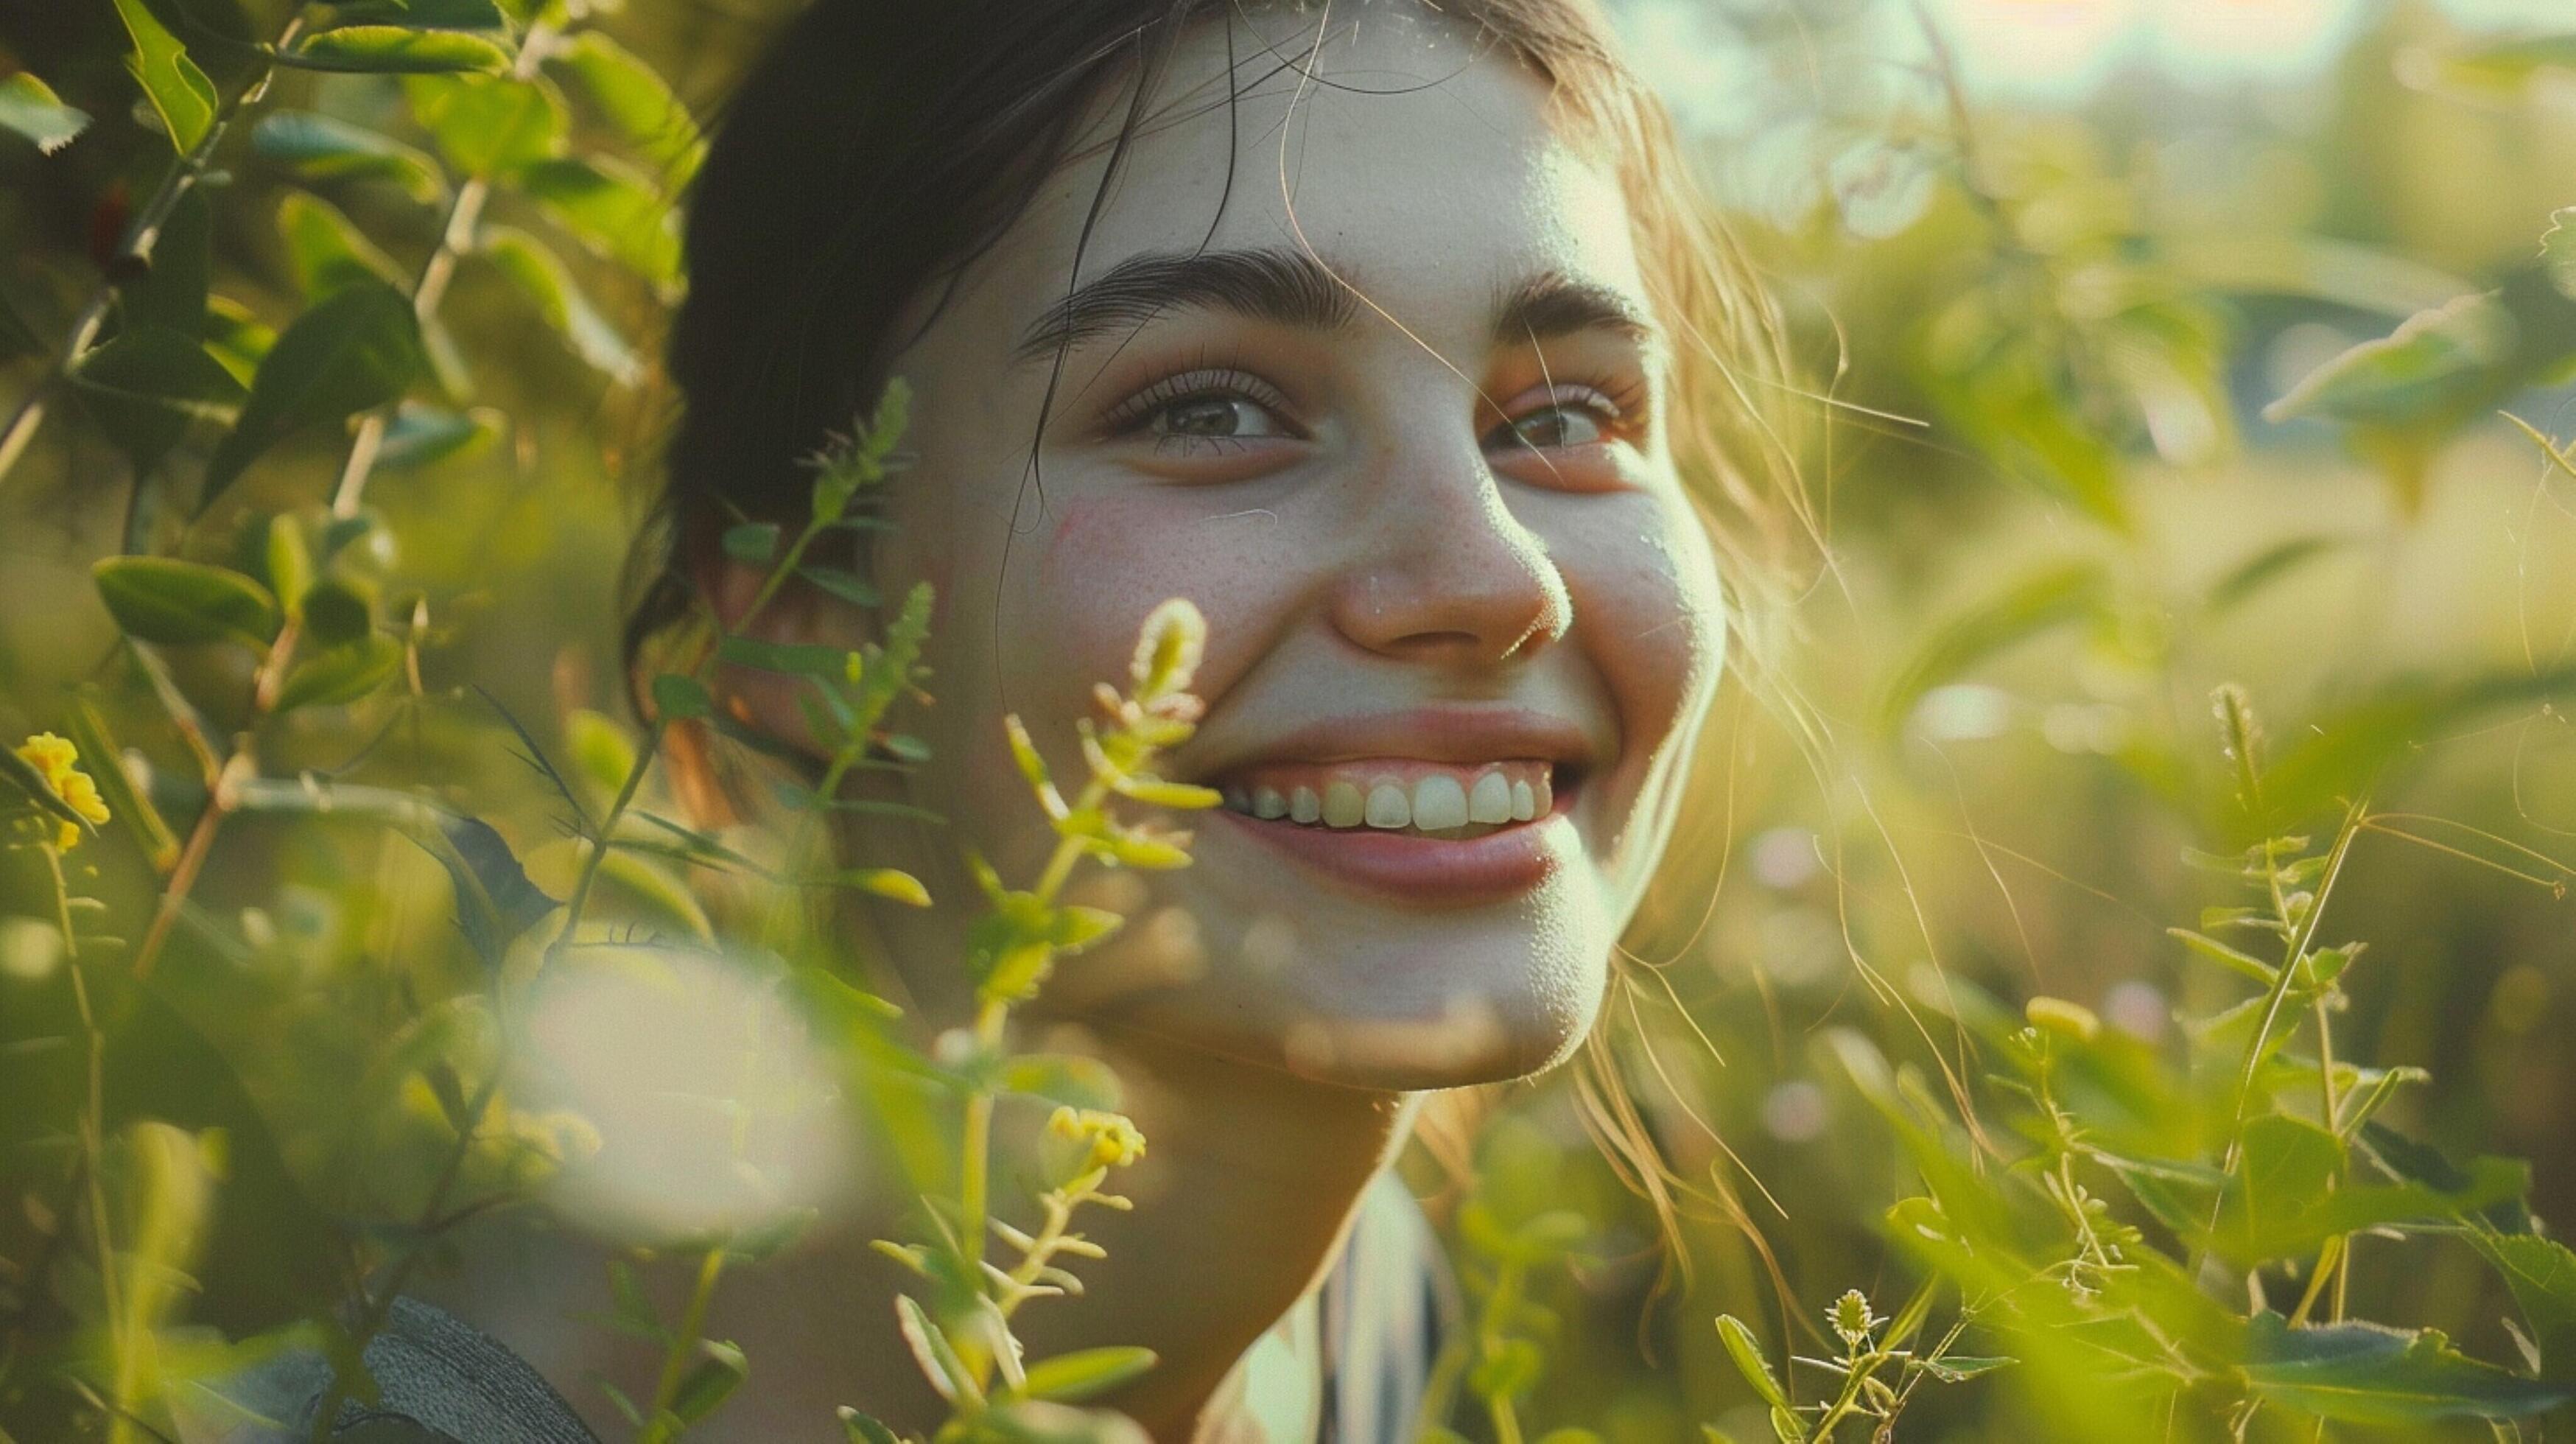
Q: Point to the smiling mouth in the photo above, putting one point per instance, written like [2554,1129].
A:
[1404,796]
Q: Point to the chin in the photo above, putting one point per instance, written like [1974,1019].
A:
[1396,1008]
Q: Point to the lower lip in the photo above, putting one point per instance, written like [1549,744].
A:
[1431,870]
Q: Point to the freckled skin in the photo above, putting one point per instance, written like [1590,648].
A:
[1388,561]
[1383,553]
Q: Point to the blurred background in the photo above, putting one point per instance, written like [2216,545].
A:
[2048,266]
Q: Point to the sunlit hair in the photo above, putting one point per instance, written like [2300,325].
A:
[882,146]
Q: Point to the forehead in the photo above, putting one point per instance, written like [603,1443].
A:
[1429,172]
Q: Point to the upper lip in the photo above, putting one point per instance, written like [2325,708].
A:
[1453,734]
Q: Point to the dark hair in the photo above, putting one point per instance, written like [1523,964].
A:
[881,146]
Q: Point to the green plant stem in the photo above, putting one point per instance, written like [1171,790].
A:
[429,289]
[185,171]
[93,1122]
[693,1323]
[589,874]
[222,796]
[2300,939]
[992,1019]
[1848,1400]
[376,1308]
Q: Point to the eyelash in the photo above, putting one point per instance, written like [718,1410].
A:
[1202,382]
[1615,402]
[1612,401]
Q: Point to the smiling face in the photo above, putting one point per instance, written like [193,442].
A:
[1365,366]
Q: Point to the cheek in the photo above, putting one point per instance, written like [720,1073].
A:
[1106,560]
[1650,612]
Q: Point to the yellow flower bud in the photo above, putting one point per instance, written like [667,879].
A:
[57,761]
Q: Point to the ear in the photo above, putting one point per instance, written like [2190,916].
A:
[795,614]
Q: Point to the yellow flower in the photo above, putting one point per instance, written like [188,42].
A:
[1114,1142]
[59,763]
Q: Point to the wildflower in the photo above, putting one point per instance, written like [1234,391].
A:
[1852,1318]
[1112,1140]
[57,761]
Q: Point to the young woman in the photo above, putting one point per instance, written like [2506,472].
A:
[1388,335]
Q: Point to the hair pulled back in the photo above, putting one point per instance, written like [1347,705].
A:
[881,146]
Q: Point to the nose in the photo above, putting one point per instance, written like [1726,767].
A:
[1446,573]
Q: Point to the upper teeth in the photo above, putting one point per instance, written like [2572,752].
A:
[1437,799]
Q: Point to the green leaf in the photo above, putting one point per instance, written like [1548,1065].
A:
[290,563]
[711,1382]
[614,212]
[341,674]
[885,882]
[1043,1421]
[487,124]
[424,14]
[395,50]
[236,338]
[647,893]
[635,102]
[422,435]
[541,276]
[319,147]
[848,586]
[935,1355]
[2225,956]
[166,600]
[2259,571]
[337,612]
[180,93]
[1958,1368]
[130,806]
[146,386]
[752,543]
[858,1428]
[679,698]
[495,902]
[2366,1374]
[1741,1347]
[2425,371]
[326,250]
[359,348]
[2286,1163]
[1086,1372]
[2028,608]
[2541,1272]
[30,107]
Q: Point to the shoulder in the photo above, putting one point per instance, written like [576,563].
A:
[439,1380]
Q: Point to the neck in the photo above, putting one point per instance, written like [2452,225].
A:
[1249,1179]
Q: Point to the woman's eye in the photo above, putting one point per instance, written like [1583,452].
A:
[1558,426]
[1216,418]
[1579,421]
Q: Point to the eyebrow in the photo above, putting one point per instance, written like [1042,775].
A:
[1552,304]
[1293,288]
[1285,286]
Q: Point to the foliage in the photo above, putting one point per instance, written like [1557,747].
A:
[306,745]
